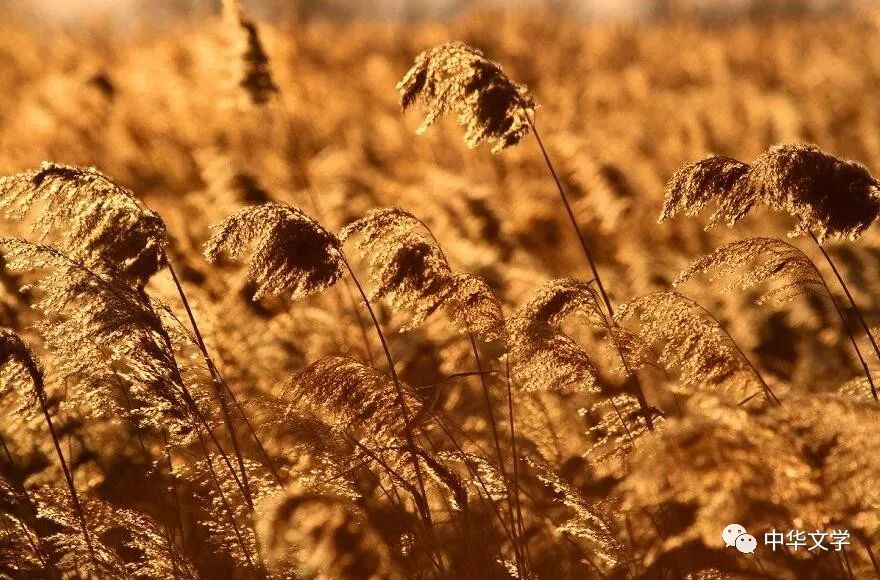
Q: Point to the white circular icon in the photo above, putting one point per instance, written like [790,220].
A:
[731,533]
[746,543]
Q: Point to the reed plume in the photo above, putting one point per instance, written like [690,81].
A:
[252,70]
[408,266]
[547,358]
[760,261]
[296,254]
[780,262]
[89,214]
[456,78]
[292,254]
[105,339]
[830,197]
[349,394]
[694,342]
[616,429]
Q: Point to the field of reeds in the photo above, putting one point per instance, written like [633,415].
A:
[509,295]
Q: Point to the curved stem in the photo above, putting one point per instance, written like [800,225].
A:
[74,497]
[577,230]
[842,316]
[852,301]
[497,441]
[220,386]
[512,421]
[866,544]
[588,254]
[855,344]
[421,501]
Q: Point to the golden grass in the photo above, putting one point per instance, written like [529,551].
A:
[255,322]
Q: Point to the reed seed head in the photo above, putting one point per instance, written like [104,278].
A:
[456,78]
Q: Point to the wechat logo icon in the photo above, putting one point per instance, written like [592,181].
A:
[736,536]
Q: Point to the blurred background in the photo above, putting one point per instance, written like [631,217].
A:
[128,11]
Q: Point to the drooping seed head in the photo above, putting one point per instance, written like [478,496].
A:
[456,78]
[89,215]
[292,253]
[830,197]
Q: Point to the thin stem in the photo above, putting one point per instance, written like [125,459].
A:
[219,381]
[496,440]
[423,502]
[513,448]
[218,391]
[855,345]
[588,254]
[843,320]
[849,570]
[866,544]
[175,498]
[584,246]
[319,213]
[852,301]
[74,497]
[361,326]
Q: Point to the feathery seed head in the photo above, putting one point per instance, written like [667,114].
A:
[781,261]
[349,394]
[456,78]
[691,188]
[691,341]
[18,365]
[104,335]
[292,253]
[91,216]
[408,266]
[544,357]
[829,197]
[252,68]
